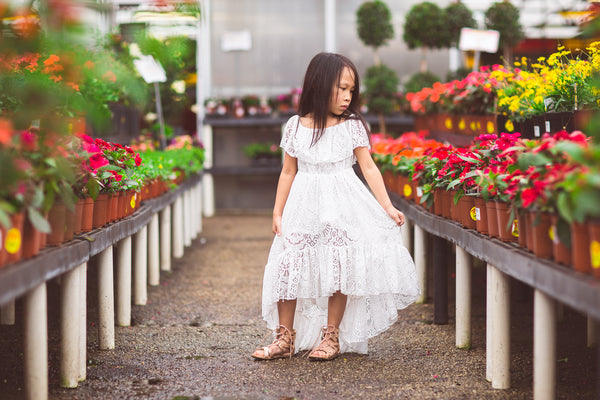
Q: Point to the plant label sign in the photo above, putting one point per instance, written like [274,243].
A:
[150,69]
[479,40]
[236,41]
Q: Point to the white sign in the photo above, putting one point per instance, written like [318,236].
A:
[236,41]
[150,69]
[479,40]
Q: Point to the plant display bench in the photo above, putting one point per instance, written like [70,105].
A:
[144,244]
[551,283]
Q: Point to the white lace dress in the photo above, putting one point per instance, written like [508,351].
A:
[335,236]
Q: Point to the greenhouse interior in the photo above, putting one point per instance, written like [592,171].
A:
[183,182]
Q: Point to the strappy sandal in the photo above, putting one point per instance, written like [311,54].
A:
[282,346]
[329,348]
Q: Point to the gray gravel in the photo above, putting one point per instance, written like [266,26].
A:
[194,337]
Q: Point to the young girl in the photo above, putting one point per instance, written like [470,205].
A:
[337,270]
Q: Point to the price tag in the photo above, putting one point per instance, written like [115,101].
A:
[419,191]
[448,123]
[475,214]
[407,190]
[553,236]
[490,127]
[13,241]
[595,253]
[515,228]
[132,202]
[461,124]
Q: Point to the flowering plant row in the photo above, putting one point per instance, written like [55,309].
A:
[561,82]
[555,178]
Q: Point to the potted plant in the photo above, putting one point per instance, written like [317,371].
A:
[263,153]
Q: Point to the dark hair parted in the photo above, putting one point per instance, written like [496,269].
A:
[323,74]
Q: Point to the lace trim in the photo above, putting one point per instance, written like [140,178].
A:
[287,141]
[329,236]
[360,138]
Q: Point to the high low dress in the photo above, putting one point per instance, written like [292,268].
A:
[335,236]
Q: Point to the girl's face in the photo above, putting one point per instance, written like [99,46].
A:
[342,93]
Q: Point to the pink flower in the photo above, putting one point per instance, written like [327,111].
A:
[97,161]
[138,160]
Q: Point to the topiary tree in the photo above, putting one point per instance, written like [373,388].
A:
[425,28]
[381,86]
[374,26]
[419,81]
[504,18]
[457,16]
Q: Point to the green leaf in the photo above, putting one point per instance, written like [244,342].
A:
[37,220]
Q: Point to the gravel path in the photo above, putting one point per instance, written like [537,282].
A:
[193,339]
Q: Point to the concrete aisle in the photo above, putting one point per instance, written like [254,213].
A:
[194,337]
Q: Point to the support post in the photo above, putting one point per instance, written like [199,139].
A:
[106,300]
[501,331]
[208,186]
[7,313]
[592,328]
[464,264]
[140,265]
[407,231]
[440,281]
[177,225]
[153,253]
[36,344]
[165,239]
[82,321]
[544,346]
[187,218]
[69,328]
[489,322]
[124,282]
[420,258]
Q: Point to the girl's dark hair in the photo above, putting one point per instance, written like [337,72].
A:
[323,72]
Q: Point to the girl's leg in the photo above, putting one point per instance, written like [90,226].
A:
[286,310]
[283,345]
[336,308]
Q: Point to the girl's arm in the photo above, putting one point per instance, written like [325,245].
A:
[288,172]
[375,181]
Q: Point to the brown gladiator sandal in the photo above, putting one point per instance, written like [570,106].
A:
[329,348]
[282,346]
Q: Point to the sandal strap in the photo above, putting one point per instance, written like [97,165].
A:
[329,344]
[283,343]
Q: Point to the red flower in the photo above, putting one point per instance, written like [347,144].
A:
[97,161]
[138,160]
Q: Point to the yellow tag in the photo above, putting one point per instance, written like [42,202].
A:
[595,253]
[132,202]
[509,126]
[461,124]
[407,190]
[515,228]
[490,127]
[13,240]
[473,125]
[475,214]
[552,235]
[448,123]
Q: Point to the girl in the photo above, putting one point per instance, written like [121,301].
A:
[337,269]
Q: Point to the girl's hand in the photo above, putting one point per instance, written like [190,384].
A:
[277,225]
[396,215]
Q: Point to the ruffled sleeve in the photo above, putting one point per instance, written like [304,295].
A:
[287,139]
[360,138]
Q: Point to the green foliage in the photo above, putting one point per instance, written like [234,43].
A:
[458,75]
[374,24]
[504,18]
[425,26]
[419,81]
[457,16]
[381,84]
[257,150]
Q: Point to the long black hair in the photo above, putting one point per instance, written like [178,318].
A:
[323,73]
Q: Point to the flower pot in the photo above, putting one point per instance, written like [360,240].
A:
[594,251]
[87,214]
[437,201]
[400,181]
[113,205]
[57,218]
[581,119]
[78,215]
[32,242]
[3,253]
[467,205]
[481,219]
[580,247]
[508,230]
[70,224]
[14,238]
[447,198]
[135,200]
[454,209]
[505,124]
[560,251]
[121,206]
[492,219]
[524,229]
[489,123]
[540,231]
[100,210]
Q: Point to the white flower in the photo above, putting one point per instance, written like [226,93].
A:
[134,50]
[178,87]
[150,117]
